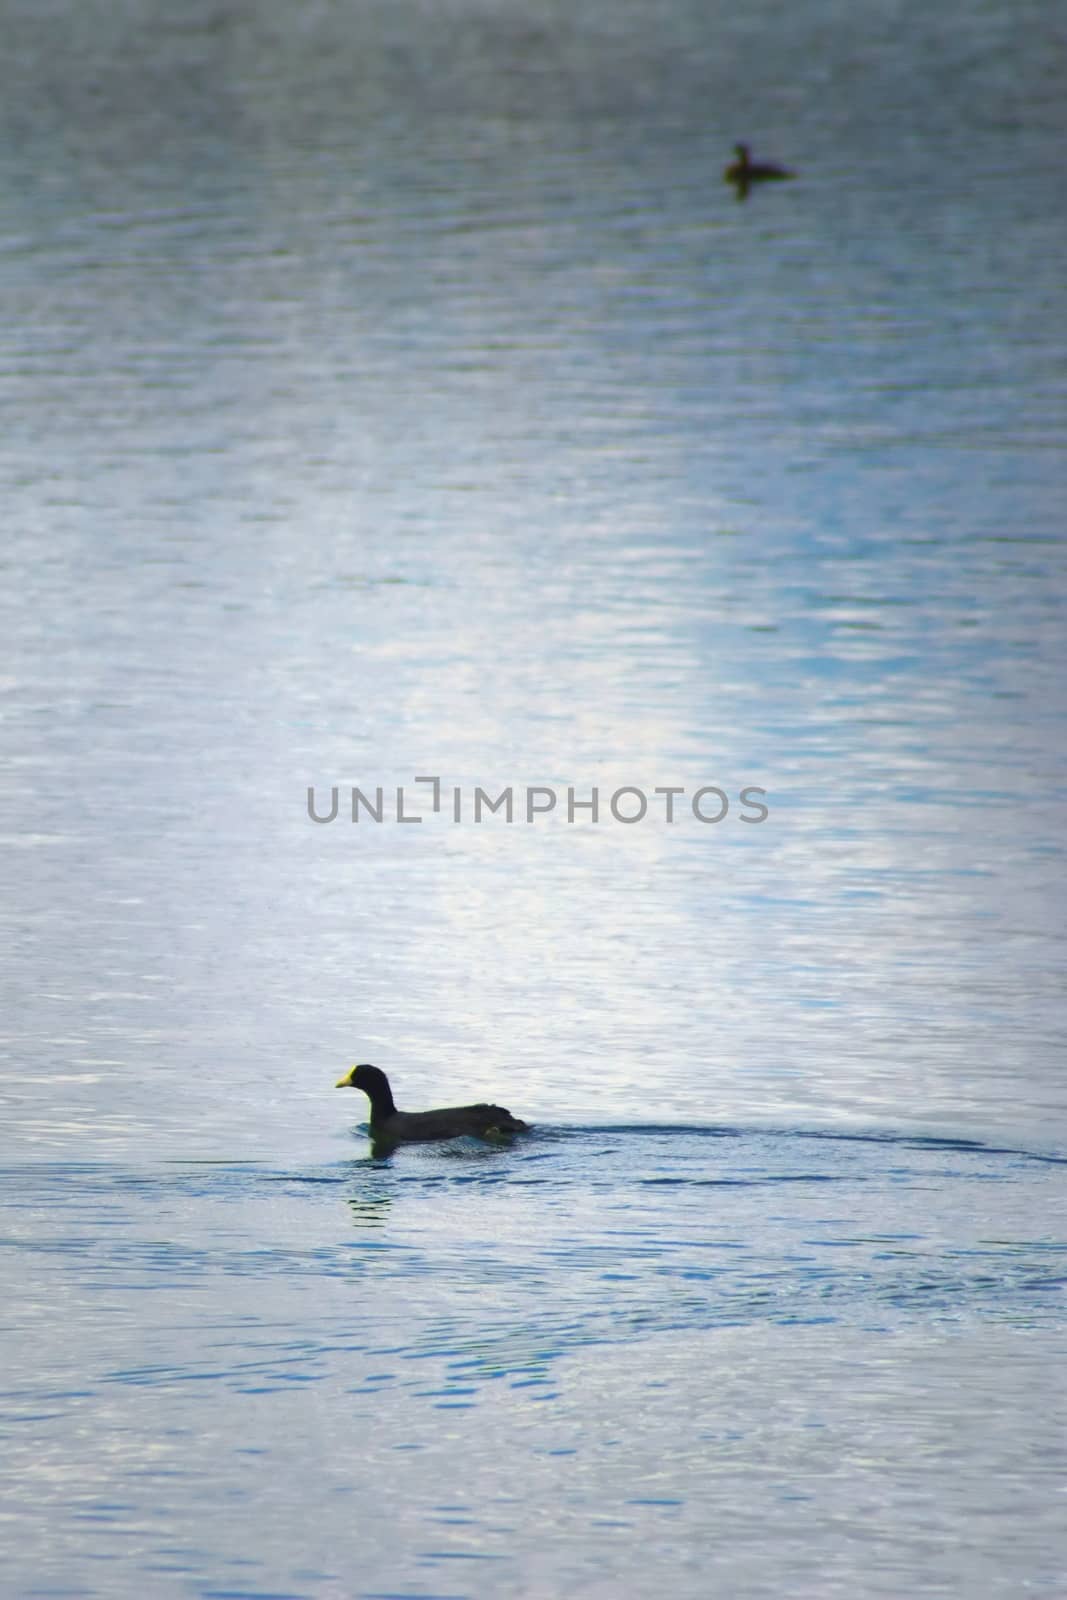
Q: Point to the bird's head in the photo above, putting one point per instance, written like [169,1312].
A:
[358,1077]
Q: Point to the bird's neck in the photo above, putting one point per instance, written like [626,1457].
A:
[381,1100]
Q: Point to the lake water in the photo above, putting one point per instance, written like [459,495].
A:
[396,392]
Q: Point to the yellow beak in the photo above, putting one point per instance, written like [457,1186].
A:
[346,1081]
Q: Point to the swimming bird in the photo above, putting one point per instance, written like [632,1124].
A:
[389,1126]
[744,171]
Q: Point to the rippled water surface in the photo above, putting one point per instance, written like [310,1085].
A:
[612,1357]
[397,392]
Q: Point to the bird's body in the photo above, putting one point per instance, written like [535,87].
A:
[390,1126]
[744,171]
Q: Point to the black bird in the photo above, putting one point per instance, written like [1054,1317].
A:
[389,1126]
[744,171]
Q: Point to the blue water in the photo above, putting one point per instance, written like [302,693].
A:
[403,394]
[573,1362]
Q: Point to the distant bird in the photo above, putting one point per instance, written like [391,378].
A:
[744,172]
[389,1126]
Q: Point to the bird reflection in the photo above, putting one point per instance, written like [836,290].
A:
[369,1211]
[744,172]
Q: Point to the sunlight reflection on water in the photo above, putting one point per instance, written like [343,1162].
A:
[384,400]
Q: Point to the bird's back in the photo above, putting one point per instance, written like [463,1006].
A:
[451,1122]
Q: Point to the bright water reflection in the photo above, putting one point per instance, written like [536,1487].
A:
[403,393]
